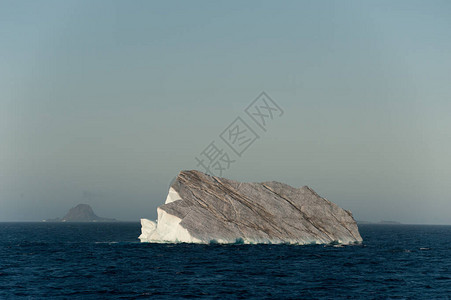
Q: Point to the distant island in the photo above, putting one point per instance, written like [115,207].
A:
[380,222]
[81,213]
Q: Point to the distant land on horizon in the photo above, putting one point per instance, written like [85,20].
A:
[81,213]
[383,222]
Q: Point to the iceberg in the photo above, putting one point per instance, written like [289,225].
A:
[200,208]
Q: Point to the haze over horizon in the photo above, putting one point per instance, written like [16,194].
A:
[105,102]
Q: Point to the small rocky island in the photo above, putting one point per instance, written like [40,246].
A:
[81,213]
[207,209]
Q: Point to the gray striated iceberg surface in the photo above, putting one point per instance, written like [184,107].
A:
[202,209]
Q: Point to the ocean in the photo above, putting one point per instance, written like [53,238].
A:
[107,261]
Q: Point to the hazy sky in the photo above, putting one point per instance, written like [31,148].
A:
[104,102]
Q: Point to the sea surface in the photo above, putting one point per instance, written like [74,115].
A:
[106,261]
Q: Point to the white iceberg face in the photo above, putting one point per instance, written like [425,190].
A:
[172,196]
[148,228]
[167,229]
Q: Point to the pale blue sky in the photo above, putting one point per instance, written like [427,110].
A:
[103,102]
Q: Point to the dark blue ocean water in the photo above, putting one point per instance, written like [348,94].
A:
[100,260]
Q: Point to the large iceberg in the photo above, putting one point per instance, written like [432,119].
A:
[206,209]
